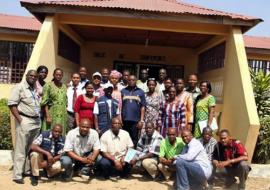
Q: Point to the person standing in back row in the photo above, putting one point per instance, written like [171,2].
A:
[24,105]
[54,101]
[192,86]
[133,108]
[105,73]
[142,82]
[73,92]
[162,74]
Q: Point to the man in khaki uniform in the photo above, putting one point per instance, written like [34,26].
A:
[24,105]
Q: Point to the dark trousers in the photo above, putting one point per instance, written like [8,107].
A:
[70,166]
[239,170]
[131,128]
[107,168]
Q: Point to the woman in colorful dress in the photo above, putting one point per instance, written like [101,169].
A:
[204,107]
[84,105]
[153,101]
[54,101]
[185,98]
[172,114]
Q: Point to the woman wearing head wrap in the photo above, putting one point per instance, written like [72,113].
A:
[114,79]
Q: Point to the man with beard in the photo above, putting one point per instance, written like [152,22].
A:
[114,145]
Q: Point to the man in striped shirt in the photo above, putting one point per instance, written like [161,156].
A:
[208,142]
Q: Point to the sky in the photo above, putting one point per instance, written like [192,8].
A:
[256,8]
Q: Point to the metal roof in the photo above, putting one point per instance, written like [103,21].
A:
[19,22]
[257,42]
[163,6]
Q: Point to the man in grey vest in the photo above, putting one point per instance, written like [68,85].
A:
[24,105]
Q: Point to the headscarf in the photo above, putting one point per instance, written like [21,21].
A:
[115,73]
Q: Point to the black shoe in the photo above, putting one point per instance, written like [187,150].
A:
[18,181]
[34,180]
[230,182]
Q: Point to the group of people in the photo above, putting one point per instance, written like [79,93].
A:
[91,126]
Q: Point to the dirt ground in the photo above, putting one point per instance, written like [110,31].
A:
[136,182]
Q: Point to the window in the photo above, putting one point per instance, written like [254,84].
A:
[257,65]
[68,49]
[14,57]
[212,58]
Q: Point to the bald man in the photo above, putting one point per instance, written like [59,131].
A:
[192,166]
[81,148]
[169,148]
[24,105]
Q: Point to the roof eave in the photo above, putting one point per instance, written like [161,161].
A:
[28,32]
[41,10]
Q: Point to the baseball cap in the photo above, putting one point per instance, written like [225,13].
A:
[96,74]
[107,85]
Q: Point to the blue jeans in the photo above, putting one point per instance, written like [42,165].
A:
[67,164]
[188,173]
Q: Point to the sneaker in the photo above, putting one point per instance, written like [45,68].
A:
[85,177]
[34,180]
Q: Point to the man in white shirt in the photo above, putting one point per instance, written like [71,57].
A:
[73,92]
[83,78]
[192,166]
[114,145]
[105,73]
[82,148]
[142,83]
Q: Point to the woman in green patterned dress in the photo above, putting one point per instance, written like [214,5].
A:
[204,107]
[54,102]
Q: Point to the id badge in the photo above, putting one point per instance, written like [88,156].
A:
[37,110]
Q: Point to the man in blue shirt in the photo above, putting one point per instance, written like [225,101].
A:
[133,108]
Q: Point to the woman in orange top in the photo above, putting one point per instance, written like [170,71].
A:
[185,98]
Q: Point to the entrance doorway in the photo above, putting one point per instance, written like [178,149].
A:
[174,71]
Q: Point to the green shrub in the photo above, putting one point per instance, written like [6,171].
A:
[262,151]
[261,88]
[5,133]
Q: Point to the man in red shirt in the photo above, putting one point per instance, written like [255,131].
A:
[231,155]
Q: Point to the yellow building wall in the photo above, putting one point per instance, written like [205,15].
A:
[174,56]
[239,113]
[46,50]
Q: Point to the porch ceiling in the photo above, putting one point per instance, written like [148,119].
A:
[132,36]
